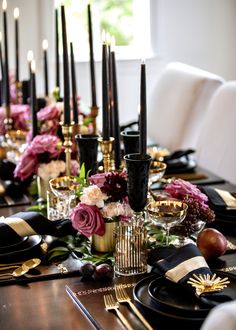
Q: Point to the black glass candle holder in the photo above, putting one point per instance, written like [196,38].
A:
[130,141]
[88,151]
[138,174]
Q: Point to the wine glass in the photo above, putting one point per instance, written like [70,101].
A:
[65,187]
[168,213]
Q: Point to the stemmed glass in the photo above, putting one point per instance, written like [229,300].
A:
[64,187]
[168,213]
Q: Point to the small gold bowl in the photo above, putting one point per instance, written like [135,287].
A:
[157,171]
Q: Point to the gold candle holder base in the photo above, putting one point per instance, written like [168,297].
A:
[106,148]
[94,113]
[67,131]
[19,91]
[8,122]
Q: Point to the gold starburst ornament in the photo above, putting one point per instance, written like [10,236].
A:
[205,283]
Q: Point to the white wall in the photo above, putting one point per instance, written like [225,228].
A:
[198,32]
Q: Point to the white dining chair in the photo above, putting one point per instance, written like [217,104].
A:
[221,317]
[215,149]
[178,103]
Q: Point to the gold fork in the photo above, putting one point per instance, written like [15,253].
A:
[123,297]
[111,304]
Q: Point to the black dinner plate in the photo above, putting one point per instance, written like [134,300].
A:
[14,247]
[169,303]
[171,296]
[142,297]
[181,166]
[30,245]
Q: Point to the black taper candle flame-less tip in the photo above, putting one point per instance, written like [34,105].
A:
[1,60]
[45,58]
[57,50]
[16,17]
[143,113]
[73,85]
[33,100]
[115,110]
[65,69]
[92,69]
[6,70]
[105,92]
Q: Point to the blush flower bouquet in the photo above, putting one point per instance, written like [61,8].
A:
[198,209]
[42,157]
[103,200]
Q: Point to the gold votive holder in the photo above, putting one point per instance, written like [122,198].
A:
[130,249]
[94,113]
[67,131]
[106,149]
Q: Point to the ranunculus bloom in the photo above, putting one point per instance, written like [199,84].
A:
[88,220]
[93,195]
[111,210]
[180,188]
[98,179]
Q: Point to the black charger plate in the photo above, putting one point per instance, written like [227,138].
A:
[169,304]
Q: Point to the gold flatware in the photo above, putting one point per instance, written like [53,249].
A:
[31,263]
[112,304]
[17,272]
[123,297]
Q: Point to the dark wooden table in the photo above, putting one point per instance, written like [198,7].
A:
[45,304]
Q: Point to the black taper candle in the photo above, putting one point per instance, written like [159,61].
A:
[105,94]
[115,111]
[143,113]
[33,100]
[6,73]
[45,59]
[65,69]
[1,60]
[73,85]
[16,17]
[57,50]
[92,70]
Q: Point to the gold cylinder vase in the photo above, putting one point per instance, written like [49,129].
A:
[105,243]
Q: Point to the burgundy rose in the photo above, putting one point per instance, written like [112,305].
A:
[88,220]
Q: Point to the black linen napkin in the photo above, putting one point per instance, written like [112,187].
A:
[180,266]
[22,224]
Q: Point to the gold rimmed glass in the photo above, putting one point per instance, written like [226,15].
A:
[65,187]
[167,213]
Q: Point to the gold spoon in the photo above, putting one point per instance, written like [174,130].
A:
[17,272]
[31,263]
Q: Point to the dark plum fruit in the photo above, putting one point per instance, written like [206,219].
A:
[87,269]
[103,271]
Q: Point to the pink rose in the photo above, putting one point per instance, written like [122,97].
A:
[74,167]
[98,179]
[26,167]
[180,188]
[46,143]
[50,112]
[88,220]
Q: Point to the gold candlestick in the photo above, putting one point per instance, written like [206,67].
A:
[19,92]
[8,122]
[106,148]
[67,131]
[94,113]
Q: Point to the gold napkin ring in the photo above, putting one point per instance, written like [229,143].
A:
[205,283]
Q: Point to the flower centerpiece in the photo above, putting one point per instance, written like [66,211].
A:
[102,204]
[42,157]
[198,214]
